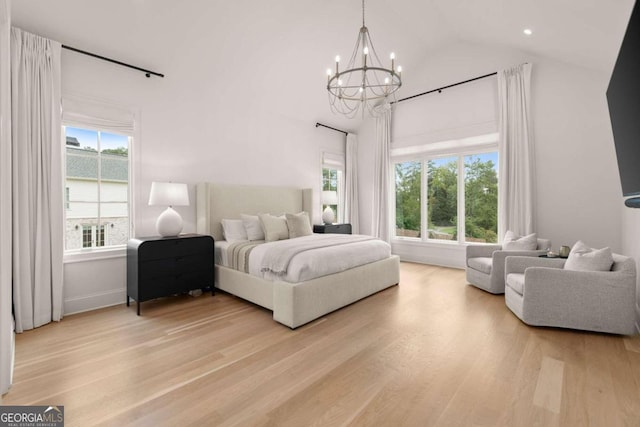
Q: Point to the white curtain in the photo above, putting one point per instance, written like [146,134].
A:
[516,199]
[351,183]
[6,320]
[381,208]
[36,180]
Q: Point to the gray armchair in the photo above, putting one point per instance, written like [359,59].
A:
[541,293]
[485,264]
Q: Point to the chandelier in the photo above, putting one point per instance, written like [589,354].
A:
[364,82]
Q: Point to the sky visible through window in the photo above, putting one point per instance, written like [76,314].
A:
[89,138]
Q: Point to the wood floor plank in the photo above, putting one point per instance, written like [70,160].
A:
[431,351]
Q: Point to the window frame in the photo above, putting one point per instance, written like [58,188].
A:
[98,252]
[423,156]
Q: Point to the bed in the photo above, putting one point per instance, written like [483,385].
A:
[292,303]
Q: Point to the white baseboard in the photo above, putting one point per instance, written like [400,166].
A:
[94,301]
[440,262]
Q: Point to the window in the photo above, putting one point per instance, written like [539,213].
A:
[332,183]
[92,236]
[97,188]
[330,189]
[434,190]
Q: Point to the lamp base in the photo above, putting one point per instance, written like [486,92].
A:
[169,223]
[328,216]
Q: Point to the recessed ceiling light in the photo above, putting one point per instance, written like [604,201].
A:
[527,31]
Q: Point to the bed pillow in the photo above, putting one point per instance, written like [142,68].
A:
[275,227]
[512,242]
[584,258]
[233,230]
[298,225]
[252,226]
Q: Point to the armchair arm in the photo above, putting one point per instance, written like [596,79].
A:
[518,264]
[475,251]
[602,281]
[592,300]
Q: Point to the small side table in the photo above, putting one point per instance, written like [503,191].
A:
[332,228]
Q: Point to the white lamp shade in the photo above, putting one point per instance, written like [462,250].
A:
[329,197]
[168,194]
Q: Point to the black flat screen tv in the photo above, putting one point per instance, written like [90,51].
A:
[623,97]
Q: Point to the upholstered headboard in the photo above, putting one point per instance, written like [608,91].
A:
[223,201]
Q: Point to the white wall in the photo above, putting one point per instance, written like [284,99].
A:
[630,226]
[576,173]
[189,132]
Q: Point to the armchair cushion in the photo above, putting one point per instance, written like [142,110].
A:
[512,242]
[584,258]
[482,264]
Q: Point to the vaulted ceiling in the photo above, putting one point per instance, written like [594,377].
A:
[285,46]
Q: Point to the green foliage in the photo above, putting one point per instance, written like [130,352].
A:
[121,151]
[408,178]
[481,197]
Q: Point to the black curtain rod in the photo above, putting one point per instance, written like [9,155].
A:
[329,127]
[440,89]
[147,73]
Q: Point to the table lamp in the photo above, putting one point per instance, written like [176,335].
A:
[329,198]
[169,194]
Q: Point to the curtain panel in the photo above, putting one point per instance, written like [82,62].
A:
[381,181]
[37,196]
[6,319]
[351,183]
[516,198]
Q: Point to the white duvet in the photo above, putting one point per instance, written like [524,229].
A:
[319,262]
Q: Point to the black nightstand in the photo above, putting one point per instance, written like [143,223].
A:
[163,266]
[332,228]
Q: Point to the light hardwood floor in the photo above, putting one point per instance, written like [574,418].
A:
[431,351]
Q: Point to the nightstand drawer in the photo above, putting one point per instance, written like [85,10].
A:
[169,266]
[160,249]
[332,228]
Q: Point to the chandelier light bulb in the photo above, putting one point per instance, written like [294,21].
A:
[339,82]
[337,58]
[365,50]
[386,80]
[392,56]
[361,89]
[399,68]
[329,71]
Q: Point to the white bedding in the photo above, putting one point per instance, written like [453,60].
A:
[313,263]
[220,252]
[320,262]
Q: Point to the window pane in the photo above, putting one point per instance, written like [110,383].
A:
[442,198]
[481,197]
[97,189]
[114,189]
[408,181]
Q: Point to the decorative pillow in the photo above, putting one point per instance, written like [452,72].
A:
[233,230]
[584,258]
[275,227]
[252,226]
[512,242]
[298,225]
